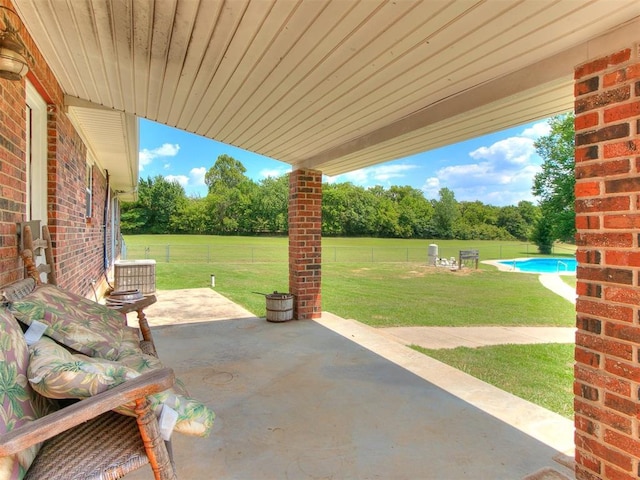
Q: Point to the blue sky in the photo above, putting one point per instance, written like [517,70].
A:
[496,169]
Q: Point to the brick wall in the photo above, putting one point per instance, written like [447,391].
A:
[607,370]
[305,242]
[12,176]
[78,241]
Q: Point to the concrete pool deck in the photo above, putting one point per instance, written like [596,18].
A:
[508,267]
[554,283]
[551,281]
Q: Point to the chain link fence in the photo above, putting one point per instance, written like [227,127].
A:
[330,254]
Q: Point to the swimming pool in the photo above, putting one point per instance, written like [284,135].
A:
[542,265]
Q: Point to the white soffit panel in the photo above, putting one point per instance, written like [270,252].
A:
[326,83]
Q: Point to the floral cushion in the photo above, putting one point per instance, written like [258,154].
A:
[194,418]
[18,403]
[56,373]
[77,322]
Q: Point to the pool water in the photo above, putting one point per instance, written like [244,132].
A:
[543,265]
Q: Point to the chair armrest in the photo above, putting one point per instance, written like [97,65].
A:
[57,422]
[137,305]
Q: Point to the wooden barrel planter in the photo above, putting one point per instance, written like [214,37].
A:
[279,307]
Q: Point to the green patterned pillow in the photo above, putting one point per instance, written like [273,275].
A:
[77,322]
[18,404]
[194,417]
[56,373]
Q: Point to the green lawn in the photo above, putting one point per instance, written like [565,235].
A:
[542,373]
[374,292]
[357,284]
[390,294]
[384,295]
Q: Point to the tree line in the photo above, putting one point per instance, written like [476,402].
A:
[237,205]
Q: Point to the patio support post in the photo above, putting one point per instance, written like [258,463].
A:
[305,242]
[607,368]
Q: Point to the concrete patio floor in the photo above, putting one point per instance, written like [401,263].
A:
[335,399]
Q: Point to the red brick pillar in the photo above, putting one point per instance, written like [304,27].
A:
[607,369]
[305,242]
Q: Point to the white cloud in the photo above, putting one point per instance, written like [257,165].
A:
[431,187]
[510,151]
[502,174]
[194,179]
[167,150]
[196,176]
[181,179]
[358,177]
[376,175]
[146,156]
[384,173]
[273,172]
[537,130]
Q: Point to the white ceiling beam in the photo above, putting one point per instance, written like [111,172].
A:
[557,69]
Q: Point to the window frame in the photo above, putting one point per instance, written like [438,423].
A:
[88,183]
[36,155]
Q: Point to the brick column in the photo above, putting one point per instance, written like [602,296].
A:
[607,369]
[305,238]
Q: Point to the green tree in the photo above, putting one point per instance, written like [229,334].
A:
[529,212]
[158,200]
[334,206]
[554,184]
[510,219]
[415,211]
[132,218]
[445,213]
[227,172]
[387,218]
[360,216]
[230,197]
[476,213]
[543,235]
[347,210]
[270,205]
[191,217]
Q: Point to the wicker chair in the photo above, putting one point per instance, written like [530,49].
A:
[85,439]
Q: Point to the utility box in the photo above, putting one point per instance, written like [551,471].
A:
[135,274]
[432,255]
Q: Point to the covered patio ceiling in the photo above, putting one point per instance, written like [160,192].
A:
[333,85]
